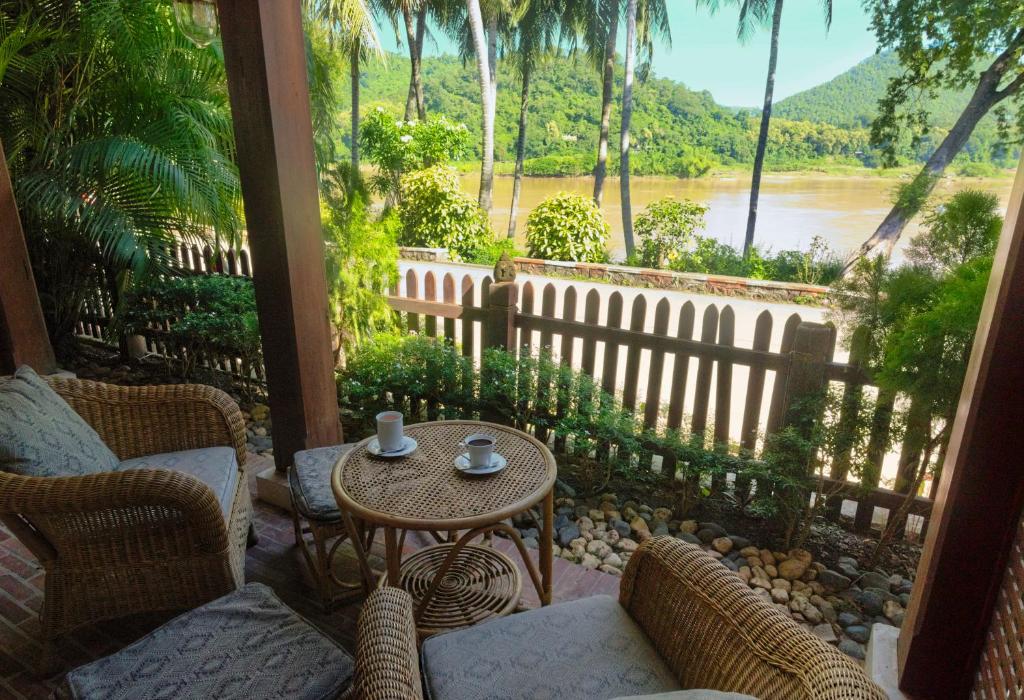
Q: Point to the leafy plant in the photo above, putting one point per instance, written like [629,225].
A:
[665,230]
[569,227]
[961,229]
[206,318]
[397,147]
[491,251]
[436,213]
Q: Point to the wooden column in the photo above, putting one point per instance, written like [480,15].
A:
[264,53]
[980,494]
[23,337]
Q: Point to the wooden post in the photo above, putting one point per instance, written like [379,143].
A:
[806,369]
[499,327]
[23,336]
[981,492]
[265,57]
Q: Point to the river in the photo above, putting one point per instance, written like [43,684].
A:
[844,210]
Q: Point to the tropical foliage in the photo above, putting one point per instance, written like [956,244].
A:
[567,226]
[436,213]
[665,230]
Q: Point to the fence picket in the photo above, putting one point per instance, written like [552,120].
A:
[680,369]
[448,289]
[652,404]
[526,333]
[637,317]
[547,310]
[779,388]
[723,383]
[754,398]
[467,323]
[705,365]
[591,316]
[430,294]
[881,424]
[565,352]
[412,292]
[611,350]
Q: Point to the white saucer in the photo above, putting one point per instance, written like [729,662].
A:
[497,464]
[407,448]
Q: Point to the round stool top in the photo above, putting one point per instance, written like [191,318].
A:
[424,491]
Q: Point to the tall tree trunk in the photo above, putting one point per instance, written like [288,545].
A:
[476,26]
[986,96]
[627,115]
[414,28]
[517,183]
[354,76]
[607,93]
[762,136]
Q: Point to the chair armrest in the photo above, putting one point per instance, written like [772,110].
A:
[714,632]
[136,421]
[113,518]
[387,660]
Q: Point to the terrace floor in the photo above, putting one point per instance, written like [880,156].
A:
[275,561]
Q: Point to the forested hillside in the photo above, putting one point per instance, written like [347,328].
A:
[850,100]
[676,131]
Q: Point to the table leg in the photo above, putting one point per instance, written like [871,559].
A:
[546,540]
[393,555]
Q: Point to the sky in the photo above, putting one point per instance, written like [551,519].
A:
[706,55]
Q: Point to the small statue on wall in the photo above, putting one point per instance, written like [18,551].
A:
[505,269]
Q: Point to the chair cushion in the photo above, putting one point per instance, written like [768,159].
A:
[693,694]
[587,649]
[310,482]
[247,645]
[41,435]
[217,467]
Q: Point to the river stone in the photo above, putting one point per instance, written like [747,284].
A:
[611,536]
[613,559]
[660,528]
[846,619]
[722,544]
[811,614]
[852,648]
[621,527]
[729,564]
[687,537]
[530,542]
[873,579]
[825,633]
[595,515]
[639,526]
[782,583]
[584,524]
[870,602]
[567,534]
[833,580]
[628,545]
[716,530]
[891,609]
[663,514]
[848,570]
[689,526]
[609,569]
[599,549]
[748,552]
[739,542]
[858,633]
[883,593]
[589,561]
[779,595]
[792,568]
[562,521]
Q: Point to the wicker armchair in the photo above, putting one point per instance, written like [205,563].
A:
[144,540]
[710,629]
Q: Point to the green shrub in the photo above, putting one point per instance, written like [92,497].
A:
[555,165]
[202,317]
[567,227]
[964,227]
[491,251]
[665,230]
[436,213]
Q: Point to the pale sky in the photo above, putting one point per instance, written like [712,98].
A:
[705,54]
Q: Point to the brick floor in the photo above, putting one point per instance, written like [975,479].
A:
[275,561]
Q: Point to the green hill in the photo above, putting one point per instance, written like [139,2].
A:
[676,131]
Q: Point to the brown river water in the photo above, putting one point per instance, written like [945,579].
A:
[844,210]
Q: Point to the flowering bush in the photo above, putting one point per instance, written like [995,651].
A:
[568,227]
[396,146]
[436,213]
[665,229]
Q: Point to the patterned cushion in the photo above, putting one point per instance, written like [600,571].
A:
[247,645]
[538,654]
[217,467]
[41,435]
[310,481]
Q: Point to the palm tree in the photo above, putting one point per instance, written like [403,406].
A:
[598,28]
[487,102]
[644,18]
[760,12]
[118,149]
[412,14]
[351,28]
[536,34]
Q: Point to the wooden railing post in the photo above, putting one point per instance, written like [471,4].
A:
[500,307]
[806,377]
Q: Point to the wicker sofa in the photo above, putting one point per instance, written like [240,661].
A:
[700,621]
[149,536]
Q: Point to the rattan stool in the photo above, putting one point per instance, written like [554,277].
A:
[480,583]
[315,512]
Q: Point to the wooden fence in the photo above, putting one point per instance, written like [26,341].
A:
[695,376]
[685,375]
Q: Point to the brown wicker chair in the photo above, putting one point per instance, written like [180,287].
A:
[144,540]
[710,629]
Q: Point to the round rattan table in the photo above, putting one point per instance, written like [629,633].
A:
[454,583]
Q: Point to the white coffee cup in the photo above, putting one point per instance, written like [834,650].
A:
[389,430]
[479,448]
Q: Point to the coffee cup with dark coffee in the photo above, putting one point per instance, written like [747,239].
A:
[479,449]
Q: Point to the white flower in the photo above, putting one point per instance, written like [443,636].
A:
[380,109]
[406,138]
[399,123]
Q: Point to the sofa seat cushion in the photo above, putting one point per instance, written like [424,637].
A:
[217,467]
[587,649]
[693,694]
[310,482]
[41,435]
[247,645]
